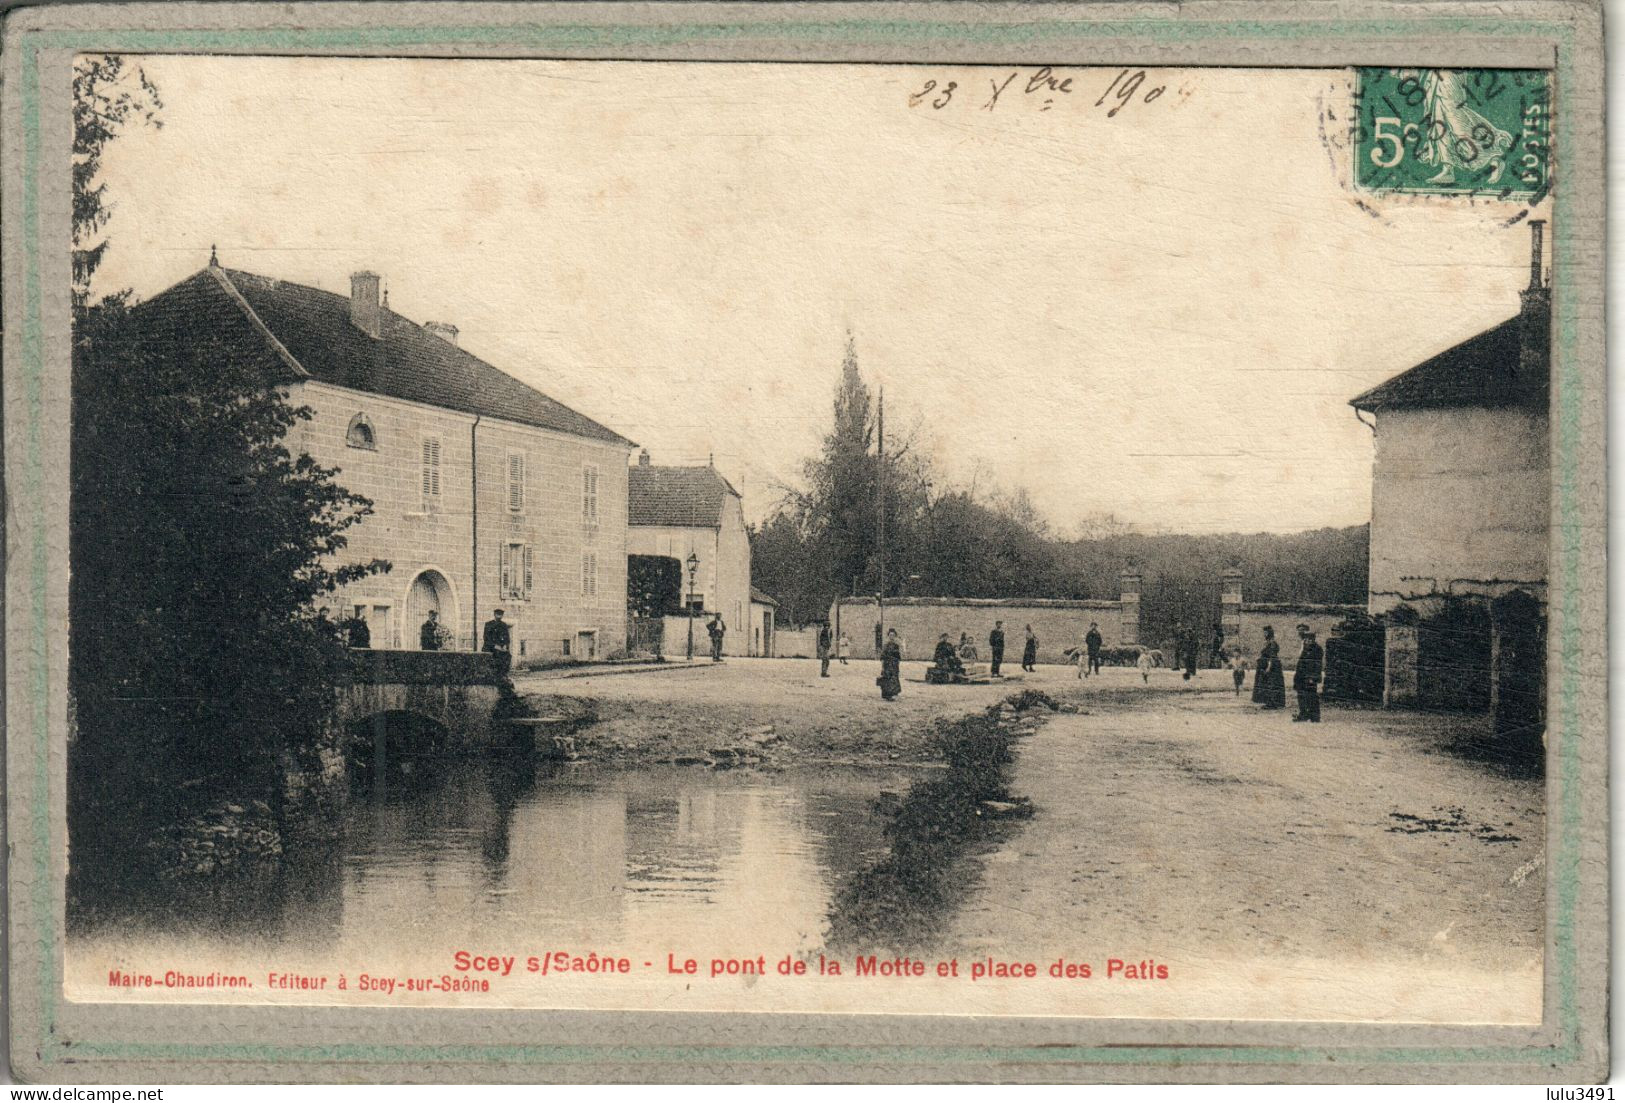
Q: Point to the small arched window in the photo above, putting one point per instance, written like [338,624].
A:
[360,434]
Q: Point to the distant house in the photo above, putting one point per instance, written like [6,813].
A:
[485,491]
[1460,507]
[764,611]
[678,512]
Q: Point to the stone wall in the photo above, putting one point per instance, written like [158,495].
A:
[1285,618]
[920,620]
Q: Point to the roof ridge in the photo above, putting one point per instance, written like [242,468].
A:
[392,317]
[236,296]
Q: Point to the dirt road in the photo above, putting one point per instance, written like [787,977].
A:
[685,712]
[1191,828]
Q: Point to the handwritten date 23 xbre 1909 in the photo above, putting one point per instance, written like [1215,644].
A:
[1039,90]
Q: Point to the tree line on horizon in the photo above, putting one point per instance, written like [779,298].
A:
[823,540]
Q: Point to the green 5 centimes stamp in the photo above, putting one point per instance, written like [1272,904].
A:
[1453,131]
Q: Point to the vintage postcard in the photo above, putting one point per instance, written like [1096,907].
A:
[891,542]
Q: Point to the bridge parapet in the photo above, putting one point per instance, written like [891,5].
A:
[369,666]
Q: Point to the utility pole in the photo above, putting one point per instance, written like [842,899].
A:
[880,513]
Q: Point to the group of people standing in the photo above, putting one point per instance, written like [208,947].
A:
[841,648]
[1269,681]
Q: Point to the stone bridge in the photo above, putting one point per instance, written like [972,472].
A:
[386,705]
[456,690]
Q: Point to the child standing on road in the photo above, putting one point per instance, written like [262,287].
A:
[1238,670]
[1144,663]
[843,647]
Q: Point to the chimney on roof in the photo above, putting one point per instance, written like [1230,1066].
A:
[1537,239]
[1535,321]
[443,330]
[643,458]
[365,312]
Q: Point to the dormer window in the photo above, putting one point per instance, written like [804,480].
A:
[360,434]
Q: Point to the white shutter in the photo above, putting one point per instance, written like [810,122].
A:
[528,572]
[431,467]
[589,494]
[516,481]
[506,584]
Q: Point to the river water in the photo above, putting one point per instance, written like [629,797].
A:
[642,862]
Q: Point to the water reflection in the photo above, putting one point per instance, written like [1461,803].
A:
[637,861]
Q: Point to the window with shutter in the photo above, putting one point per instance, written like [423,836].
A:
[589,494]
[589,574]
[516,571]
[431,468]
[516,481]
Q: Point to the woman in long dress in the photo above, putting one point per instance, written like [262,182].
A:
[1269,684]
[891,667]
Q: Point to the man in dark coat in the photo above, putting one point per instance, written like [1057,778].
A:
[497,639]
[429,634]
[823,651]
[1092,643]
[1188,641]
[360,633]
[717,630]
[1306,677]
[995,644]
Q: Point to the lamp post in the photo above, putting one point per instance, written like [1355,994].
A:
[693,566]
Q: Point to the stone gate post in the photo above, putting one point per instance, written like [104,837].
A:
[1230,605]
[1128,607]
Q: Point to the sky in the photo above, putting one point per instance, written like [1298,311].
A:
[1158,314]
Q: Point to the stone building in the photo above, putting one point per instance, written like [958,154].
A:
[678,512]
[485,491]
[1460,508]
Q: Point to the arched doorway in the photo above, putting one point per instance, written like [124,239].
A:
[429,591]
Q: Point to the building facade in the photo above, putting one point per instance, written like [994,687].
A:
[1461,512]
[682,512]
[485,492]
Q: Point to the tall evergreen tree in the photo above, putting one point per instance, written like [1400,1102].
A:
[842,481]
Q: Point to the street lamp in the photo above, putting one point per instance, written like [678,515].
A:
[693,565]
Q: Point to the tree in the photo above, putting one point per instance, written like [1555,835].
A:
[842,508]
[654,585]
[198,544]
[199,548]
[108,93]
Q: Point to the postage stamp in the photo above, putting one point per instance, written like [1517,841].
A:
[1454,131]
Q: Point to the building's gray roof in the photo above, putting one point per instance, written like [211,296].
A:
[761,598]
[676,497]
[310,335]
[1481,371]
